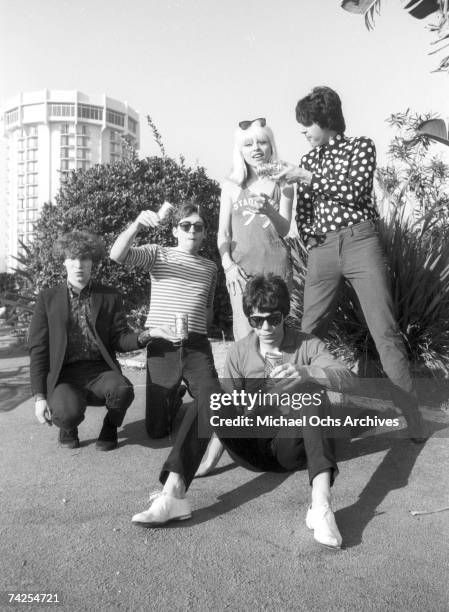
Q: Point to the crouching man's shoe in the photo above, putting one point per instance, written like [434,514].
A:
[325,530]
[164,508]
[68,438]
[107,440]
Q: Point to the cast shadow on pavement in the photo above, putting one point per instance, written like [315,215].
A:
[392,473]
[14,387]
[262,484]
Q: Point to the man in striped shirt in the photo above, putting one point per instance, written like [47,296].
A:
[182,282]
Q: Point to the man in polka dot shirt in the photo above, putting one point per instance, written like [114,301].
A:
[336,217]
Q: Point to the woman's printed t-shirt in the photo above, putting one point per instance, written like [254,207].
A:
[256,246]
[341,191]
[180,283]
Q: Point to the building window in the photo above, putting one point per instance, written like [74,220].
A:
[31,179]
[132,125]
[115,118]
[87,111]
[12,116]
[83,164]
[32,166]
[32,203]
[82,153]
[82,141]
[61,110]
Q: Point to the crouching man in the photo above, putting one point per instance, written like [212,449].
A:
[307,365]
[75,330]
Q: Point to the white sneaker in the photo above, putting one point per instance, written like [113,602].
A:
[325,530]
[164,508]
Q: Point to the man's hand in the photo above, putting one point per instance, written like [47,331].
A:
[164,331]
[147,218]
[42,411]
[293,174]
[290,370]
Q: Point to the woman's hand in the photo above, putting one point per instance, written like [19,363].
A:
[261,205]
[293,174]
[236,279]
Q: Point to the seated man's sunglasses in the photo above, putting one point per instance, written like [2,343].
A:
[244,125]
[186,225]
[273,320]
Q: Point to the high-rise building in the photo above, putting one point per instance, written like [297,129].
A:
[47,134]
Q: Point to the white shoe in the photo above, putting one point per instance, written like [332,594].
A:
[164,508]
[325,530]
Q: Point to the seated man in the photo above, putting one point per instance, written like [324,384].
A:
[306,364]
[182,282]
[75,330]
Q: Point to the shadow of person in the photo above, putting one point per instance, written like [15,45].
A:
[135,433]
[262,484]
[392,473]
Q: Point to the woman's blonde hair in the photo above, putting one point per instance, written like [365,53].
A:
[239,172]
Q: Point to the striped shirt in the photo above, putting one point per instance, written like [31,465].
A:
[180,283]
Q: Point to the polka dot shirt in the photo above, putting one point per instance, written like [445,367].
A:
[341,191]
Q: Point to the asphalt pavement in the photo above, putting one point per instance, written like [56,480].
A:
[66,522]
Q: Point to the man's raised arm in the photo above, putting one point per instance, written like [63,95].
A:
[120,248]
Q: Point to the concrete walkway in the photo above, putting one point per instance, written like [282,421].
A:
[65,522]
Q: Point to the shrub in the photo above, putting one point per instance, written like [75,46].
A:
[105,199]
[418,263]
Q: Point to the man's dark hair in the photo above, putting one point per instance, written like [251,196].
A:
[79,244]
[266,293]
[322,106]
[185,210]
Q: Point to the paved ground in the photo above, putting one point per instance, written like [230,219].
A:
[65,522]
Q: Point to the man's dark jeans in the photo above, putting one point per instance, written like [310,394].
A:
[89,383]
[309,445]
[355,253]
[167,366]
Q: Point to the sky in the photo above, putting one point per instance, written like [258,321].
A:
[198,67]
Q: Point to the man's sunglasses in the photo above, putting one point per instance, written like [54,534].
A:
[244,125]
[273,320]
[186,225]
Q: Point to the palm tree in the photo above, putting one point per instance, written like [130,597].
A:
[420,9]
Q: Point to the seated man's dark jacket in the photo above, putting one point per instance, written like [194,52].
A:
[48,333]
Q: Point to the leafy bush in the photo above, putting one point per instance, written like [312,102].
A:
[418,263]
[105,199]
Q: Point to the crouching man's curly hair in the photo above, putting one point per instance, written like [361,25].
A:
[79,244]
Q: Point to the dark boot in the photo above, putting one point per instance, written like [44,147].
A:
[68,438]
[107,440]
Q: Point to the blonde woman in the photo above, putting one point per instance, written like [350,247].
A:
[255,216]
